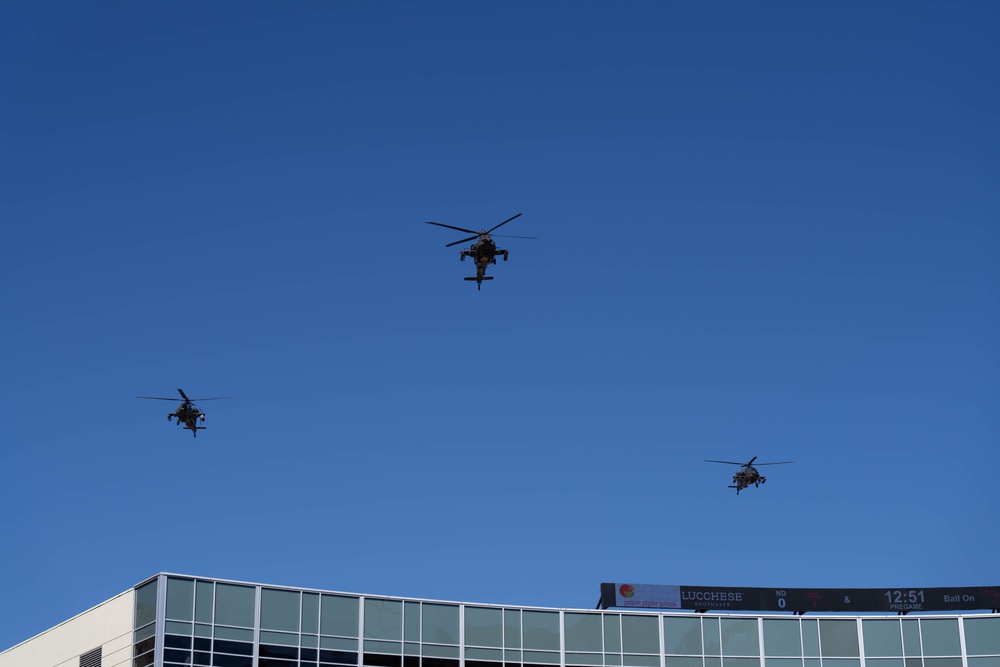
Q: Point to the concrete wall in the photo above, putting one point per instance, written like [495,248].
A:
[109,625]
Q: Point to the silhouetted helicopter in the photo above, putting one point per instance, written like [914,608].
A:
[747,474]
[484,250]
[186,413]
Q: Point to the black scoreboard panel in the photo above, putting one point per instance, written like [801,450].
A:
[718,598]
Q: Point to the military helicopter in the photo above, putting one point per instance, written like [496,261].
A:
[484,250]
[747,474]
[186,412]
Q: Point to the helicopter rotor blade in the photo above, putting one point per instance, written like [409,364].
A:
[504,222]
[774,463]
[732,463]
[750,462]
[214,398]
[158,398]
[471,238]
[184,395]
[460,229]
[508,236]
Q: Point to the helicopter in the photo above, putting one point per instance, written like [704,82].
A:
[747,474]
[484,251]
[186,413]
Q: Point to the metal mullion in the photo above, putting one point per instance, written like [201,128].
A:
[256,625]
[760,640]
[161,619]
[961,642]
[861,643]
[362,604]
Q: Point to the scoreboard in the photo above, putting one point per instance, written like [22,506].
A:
[800,600]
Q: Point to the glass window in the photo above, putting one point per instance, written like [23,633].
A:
[283,638]
[585,659]
[640,634]
[583,632]
[411,621]
[713,661]
[810,638]
[483,627]
[512,656]
[338,644]
[234,605]
[739,637]
[203,601]
[683,662]
[383,619]
[713,637]
[541,657]
[682,635]
[310,613]
[841,662]
[984,662]
[911,638]
[540,630]
[940,636]
[943,662]
[279,610]
[435,651]
[640,660]
[145,604]
[374,646]
[235,634]
[439,624]
[612,633]
[512,628]
[883,662]
[781,638]
[610,659]
[982,636]
[781,662]
[882,639]
[180,599]
[740,662]
[491,654]
[839,639]
[338,615]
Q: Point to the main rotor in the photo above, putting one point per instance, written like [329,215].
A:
[481,234]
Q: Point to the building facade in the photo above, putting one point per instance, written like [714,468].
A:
[173,621]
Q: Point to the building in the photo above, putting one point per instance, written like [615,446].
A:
[173,620]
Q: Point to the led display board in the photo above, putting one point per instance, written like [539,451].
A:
[801,600]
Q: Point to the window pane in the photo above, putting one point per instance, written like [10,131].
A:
[810,638]
[492,654]
[640,634]
[982,636]
[512,628]
[882,639]
[713,637]
[411,621]
[234,605]
[338,615]
[911,637]
[782,638]
[783,662]
[145,604]
[383,619]
[483,627]
[940,636]
[585,659]
[943,662]
[440,624]
[839,639]
[540,630]
[583,632]
[440,651]
[683,662]
[279,610]
[612,633]
[541,657]
[640,660]
[841,662]
[883,662]
[180,599]
[984,662]
[310,613]
[739,637]
[682,635]
[204,591]
[740,662]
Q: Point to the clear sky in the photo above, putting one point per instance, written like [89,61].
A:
[765,229]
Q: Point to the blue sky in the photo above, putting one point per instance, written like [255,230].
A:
[765,229]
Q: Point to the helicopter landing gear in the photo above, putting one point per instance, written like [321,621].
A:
[170,416]
[202,417]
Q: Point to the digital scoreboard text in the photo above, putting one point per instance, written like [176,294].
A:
[800,600]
